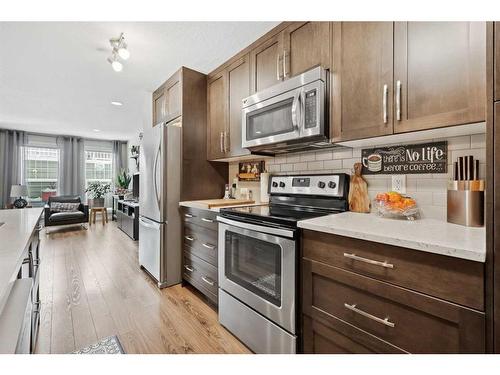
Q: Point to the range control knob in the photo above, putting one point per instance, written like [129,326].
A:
[275,184]
[282,184]
[332,185]
[321,185]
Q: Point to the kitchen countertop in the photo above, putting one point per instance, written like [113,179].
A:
[15,235]
[195,204]
[430,235]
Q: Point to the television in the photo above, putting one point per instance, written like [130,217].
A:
[135,186]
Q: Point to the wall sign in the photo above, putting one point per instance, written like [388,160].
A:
[408,159]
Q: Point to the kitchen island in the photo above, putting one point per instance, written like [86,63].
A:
[18,242]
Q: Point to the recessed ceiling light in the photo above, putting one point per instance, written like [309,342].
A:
[96,130]
[117,103]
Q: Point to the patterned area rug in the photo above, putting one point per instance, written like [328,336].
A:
[108,345]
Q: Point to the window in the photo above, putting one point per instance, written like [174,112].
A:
[41,172]
[98,167]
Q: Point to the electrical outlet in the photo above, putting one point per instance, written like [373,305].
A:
[399,183]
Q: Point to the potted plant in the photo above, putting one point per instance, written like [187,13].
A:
[122,182]
[96,191]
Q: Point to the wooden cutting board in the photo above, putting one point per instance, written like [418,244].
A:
[210,203]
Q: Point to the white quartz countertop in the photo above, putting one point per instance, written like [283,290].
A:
[196,204]
[428,235]
[15,235]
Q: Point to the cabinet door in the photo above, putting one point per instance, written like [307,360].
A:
[159,105]
[217,116]
[439,74]
[173,92]
[238,77]
[266,63]
[362,74]
[306,45]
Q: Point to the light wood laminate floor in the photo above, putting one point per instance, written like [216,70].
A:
[91,287]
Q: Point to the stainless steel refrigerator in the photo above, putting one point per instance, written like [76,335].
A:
[160,163]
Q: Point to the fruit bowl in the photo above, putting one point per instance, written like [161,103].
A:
[395,205]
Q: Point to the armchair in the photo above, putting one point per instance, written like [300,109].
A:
[81,216]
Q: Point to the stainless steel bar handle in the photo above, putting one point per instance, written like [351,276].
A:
[369,261]
[284,64]
[208,281]
[398,100]
[190,269]
[221,145]
[295,106]
[207,220]
[278,73]
[384,103]
[189,216]
[189,238]
[369,316]
[226,147]
[208,246]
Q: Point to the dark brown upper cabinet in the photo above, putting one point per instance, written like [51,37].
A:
[167,100]
[305,45]
[362,74]
[266,67]
[217,116]
[439,74]
[238,85]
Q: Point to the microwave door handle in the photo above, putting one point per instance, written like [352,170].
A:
[295,105]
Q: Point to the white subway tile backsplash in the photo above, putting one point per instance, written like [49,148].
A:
[428,189]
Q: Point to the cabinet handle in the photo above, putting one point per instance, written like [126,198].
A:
[189,216]
[208,281]
[190,269]
[189,238]
[284,64]
[278,73]
[369,261]
[384,103]
[209,246]
[398,100]
[207,220]
[226,146]
[369,316]
[221,142]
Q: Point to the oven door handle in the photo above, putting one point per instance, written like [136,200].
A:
[257,228]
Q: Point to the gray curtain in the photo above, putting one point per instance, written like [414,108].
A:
[120,160]
[71,166]
[11,142]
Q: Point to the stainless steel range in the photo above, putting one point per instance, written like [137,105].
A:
[259,258]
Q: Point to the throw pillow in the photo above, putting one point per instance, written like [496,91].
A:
[64,207]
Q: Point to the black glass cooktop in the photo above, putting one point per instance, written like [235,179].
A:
[274,213]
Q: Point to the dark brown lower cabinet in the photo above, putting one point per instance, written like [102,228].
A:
[348,312]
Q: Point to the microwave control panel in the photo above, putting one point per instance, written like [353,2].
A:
[311,109]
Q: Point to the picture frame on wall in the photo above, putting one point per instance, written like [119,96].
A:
[250,170]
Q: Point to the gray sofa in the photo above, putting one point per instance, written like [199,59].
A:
[66,218]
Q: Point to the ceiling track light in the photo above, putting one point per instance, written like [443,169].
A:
[119,51]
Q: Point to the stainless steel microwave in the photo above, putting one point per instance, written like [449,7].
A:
[287,116]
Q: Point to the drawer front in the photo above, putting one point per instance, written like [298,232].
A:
[204,218]
[321,337]
[411,321]
[201,242]
[201,275]
[456,280]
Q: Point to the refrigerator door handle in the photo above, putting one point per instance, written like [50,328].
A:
[155,182]
[148,223]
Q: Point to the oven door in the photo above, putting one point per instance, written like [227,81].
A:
[258,267]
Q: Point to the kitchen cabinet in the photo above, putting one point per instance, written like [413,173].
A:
[298,48]
[362,74]
[167,100]
[226,90]
[403,300]
[439,74]
[305,45]
[200,249]
[496,47]
[217,116]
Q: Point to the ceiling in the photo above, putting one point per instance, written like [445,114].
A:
[54,77]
